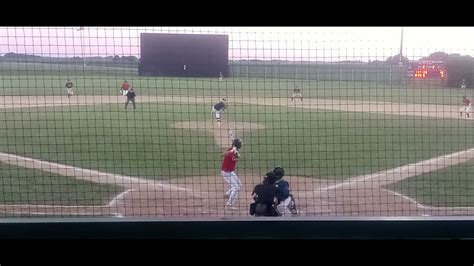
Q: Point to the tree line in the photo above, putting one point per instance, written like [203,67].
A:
[93,60]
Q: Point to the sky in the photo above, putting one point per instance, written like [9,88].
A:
[265,43]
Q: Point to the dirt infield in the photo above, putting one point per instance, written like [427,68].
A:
[204,196]
[392,108]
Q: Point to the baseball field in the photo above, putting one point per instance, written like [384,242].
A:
[349,148]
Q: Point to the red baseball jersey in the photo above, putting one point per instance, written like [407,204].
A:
[125,86]
[466,101]
[230,161]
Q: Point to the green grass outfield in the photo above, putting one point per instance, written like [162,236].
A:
[449,187]
[321,144]
[49,79]
[28,186]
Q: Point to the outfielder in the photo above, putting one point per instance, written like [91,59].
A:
[467,106]
[463,84]
[229,164]
[69,88]
[297,93]
[217,110]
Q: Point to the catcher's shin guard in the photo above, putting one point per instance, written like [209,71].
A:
[292,206]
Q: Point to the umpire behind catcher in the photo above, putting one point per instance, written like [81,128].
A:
[264,195]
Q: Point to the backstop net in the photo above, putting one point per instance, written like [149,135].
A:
[199,122]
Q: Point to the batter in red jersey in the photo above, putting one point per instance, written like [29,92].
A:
[467,106]
[229,164]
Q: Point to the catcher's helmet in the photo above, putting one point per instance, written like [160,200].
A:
[278,172]
[237,143]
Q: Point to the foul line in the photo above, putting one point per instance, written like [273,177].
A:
[119,197]
[126,180]
[400,169]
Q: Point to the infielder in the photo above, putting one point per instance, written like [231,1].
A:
[131,98]
[467,106]
[229,164]
[69,88]
[217,110]
[297,93]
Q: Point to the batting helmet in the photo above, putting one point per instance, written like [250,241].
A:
[237,143]
[278,172]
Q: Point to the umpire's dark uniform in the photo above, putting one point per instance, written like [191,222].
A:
[131,98]
[264,196]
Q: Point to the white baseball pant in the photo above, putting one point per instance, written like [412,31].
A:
[233,180]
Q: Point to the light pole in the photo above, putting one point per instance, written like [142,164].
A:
[82,46]
[400,63]
[401,48]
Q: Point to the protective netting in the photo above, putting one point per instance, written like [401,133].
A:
[134,121]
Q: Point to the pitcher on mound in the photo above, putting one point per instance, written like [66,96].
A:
[217,110]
